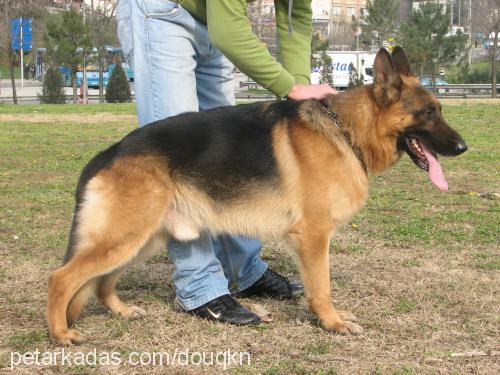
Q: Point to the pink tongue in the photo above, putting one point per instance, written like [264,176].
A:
[435,172]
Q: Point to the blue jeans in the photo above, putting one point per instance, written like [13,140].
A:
[176,69]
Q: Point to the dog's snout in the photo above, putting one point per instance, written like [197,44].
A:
[460,147]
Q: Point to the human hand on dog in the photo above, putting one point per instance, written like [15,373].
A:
[301,92]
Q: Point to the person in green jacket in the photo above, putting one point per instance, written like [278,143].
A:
[183,54]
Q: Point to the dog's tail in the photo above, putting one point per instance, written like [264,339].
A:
[101,161]
[98,163]
[70,251]
[88,290]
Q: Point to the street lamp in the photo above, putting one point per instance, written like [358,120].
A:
[451,17]
[470,31]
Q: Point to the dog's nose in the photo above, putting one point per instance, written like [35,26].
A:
[460,147]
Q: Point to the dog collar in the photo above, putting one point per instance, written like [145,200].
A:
[357,151]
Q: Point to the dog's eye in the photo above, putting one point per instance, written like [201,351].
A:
[430,110]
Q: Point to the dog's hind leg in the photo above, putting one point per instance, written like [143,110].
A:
[311,244]
[106,292]
[116,220]
[83,268]
[79,300]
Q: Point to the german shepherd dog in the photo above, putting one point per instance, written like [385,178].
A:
[285,169]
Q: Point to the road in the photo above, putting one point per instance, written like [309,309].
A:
[33,88]
[28,93]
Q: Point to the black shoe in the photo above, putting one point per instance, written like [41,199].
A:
[274,286]
[226,309]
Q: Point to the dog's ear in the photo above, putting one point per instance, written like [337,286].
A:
[401,63]
[387,82]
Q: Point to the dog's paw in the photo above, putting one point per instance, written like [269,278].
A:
[68,337]
[347,315]
[350,328]
[133,312]
[345,327]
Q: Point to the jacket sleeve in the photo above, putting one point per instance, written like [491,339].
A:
[231,32]
[295,44]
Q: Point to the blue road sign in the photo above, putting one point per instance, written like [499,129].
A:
[27,33]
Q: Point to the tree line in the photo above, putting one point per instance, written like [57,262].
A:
[428,36]
[72,39]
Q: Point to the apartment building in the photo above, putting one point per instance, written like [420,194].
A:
[58,5]
[417,4]
[337,10]
[323,10]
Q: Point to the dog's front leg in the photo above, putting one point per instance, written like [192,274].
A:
[311,244]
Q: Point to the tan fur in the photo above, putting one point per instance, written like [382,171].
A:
[136,200]
[79,300]
[131,208]
[123,208]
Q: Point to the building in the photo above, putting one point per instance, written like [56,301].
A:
[332,19]
[445,3]
[59,5]
[338,11]
[323,10]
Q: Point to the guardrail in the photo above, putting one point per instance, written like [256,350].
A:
[95,98]
[459,91]
[446,91]
[473,90]
[35,99]
[250,84]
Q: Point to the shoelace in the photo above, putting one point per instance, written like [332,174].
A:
[282,278]
[228,301]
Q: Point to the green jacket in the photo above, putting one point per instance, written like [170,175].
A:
[231,32]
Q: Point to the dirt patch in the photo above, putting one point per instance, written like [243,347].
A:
[81,118]
[419,269]
[461,102]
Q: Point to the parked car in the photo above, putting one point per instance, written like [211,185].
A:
[426,80]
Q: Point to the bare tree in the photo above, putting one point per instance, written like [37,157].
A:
[404,10]
[100,18]
[10,9]
[262,18]
[489,14]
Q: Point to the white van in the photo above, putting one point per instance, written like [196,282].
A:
[342,64]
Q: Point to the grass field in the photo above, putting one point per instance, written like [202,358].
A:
[5,71]
[419,268]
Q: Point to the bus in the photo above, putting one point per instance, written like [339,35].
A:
[114,55]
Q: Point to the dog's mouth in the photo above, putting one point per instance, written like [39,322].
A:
[427,160]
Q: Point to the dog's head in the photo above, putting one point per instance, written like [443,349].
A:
[414,113]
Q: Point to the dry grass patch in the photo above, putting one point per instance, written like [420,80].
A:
[472,101]
[76,118]
[419,268]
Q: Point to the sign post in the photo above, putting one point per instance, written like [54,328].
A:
[22,50]
[22,38]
